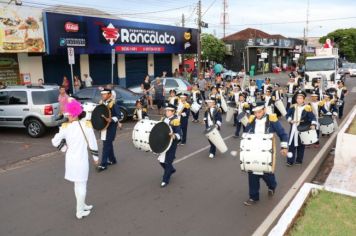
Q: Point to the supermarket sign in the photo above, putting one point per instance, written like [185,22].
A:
[101,35]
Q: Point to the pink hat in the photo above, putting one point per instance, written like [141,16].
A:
[73,108]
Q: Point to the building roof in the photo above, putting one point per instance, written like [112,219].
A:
[247,34]
[81,11]
[278,36]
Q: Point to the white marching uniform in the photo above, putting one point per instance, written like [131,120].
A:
[72,136]
[76,159]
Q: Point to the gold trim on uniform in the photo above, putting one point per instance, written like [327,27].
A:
[175,122]
[273,117]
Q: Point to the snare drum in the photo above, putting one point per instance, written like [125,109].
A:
[326,125]
[152,136]
[258,153]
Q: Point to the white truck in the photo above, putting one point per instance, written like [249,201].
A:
[324,65]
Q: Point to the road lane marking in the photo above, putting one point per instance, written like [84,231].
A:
[353,90]
[196,152]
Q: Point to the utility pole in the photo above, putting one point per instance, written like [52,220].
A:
[224,17]
[198,41]
[183,24]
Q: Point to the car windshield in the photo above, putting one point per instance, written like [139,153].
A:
[320,64]
[45,97]
[125,92]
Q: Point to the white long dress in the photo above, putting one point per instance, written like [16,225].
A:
[76,159]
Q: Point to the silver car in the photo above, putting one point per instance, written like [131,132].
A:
[32,107]
[178,84]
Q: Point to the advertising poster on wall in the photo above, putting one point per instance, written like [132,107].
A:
[21,29]
[9,69]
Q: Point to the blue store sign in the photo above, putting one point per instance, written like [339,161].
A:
[92,35]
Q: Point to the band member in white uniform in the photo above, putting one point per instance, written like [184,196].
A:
[261,123]
[266,85]
[75,138]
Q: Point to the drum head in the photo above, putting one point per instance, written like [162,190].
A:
[99,123]
[326,120]
[303,127]
[159,139]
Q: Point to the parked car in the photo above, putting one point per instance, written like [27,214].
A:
[178,84]
[124,97]
[352,70]
[32,107]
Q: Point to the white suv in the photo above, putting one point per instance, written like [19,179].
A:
[30,107]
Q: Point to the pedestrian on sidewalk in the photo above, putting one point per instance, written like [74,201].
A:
[76,137]
[159,92]
[88,81]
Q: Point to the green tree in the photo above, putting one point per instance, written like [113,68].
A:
[345,40]
[213,48]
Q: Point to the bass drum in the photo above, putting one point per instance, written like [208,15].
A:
[195,107]
[152,136]
[97,119]
[230,113]
[214,136]
[279,105]
[259,158]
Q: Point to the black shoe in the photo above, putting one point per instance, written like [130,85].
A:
[110,163]
[174,171]
[164,184]
[298,163]
[235,136]
[271,192]
[234,124]
[289,164]
[250,202]
[101,168]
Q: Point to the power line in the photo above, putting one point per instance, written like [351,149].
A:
[209,7]
[34,4]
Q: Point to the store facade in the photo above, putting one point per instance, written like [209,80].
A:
[261,51]
[139,48]
[33,45]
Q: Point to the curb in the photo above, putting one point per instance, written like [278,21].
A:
[306,176]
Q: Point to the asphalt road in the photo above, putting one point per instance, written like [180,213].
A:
[205,196]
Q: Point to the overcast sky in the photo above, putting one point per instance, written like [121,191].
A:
[272,16]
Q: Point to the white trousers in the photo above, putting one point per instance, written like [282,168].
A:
[80,191]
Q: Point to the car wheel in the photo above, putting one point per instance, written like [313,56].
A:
[123,115]
[35,128]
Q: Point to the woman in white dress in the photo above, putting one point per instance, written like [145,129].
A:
[74,137]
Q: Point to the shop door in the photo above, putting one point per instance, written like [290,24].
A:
[136,69]
[100,69]
[163,62]
[56,66]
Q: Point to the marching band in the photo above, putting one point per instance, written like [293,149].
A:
[253,109]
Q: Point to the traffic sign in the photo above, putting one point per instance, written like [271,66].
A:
[71,57]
